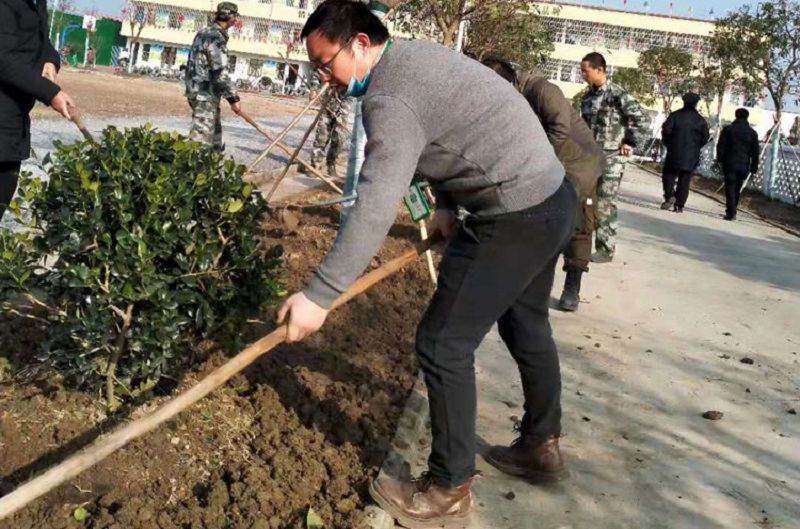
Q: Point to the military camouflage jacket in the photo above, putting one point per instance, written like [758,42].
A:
[206,70]
[614,116]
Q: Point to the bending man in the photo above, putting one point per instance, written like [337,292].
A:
[429,109]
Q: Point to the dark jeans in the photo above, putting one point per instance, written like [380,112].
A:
[684,179]
[9,174]
[496,269]
[733,189]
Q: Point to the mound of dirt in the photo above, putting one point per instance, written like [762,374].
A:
[305,427]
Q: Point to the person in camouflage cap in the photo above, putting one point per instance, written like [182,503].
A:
[331,131]
[617,121]
[207,79]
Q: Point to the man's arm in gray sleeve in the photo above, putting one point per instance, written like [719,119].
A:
[395,140]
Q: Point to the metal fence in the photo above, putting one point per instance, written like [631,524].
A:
[778,175]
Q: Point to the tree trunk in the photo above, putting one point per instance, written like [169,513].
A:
[718,130]
[449,36]
[119,347]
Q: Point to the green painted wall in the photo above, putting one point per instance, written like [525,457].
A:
[103,40]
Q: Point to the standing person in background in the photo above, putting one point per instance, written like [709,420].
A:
[738,154]
[616,119]
[91,58]
[329,135]
[581,157]
[28,68]
[684,133]
[207,79]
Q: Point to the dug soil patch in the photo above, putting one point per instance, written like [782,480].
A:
[305,427]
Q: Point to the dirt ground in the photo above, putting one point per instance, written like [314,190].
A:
[305,427]
[102,93]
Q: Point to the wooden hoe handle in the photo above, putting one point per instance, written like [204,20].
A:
[108,443]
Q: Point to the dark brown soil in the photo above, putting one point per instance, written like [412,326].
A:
[102,94]
[305,427]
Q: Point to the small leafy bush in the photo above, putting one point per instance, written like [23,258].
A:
[139,245]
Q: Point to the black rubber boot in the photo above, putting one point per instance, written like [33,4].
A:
[571,296]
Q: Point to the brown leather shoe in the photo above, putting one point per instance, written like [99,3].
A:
[536,463]
[421,504]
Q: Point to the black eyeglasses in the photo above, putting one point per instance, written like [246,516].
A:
[325,68]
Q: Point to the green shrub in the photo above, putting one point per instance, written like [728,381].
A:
[151,242]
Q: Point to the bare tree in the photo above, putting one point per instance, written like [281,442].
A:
[718,75]
[510,28]
[671,68]
[763,44]
[137,16]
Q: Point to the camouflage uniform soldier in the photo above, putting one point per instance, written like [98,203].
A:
[616,120]
[207,79]
[330,129]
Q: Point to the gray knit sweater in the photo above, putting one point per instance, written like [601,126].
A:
[459,124]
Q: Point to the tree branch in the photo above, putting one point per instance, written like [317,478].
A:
[119,347]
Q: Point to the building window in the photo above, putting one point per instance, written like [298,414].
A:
[261,31]
[231,64]
[254,67]
[168,56]
[145,53]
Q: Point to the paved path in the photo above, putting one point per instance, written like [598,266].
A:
[657,342]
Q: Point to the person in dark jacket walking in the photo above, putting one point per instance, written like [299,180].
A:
[581,156]
[684,134]
[28,68]
[738,153]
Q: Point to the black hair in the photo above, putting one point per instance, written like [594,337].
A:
[503,68]
[339,20]
[596,60]
[691,100]
[742,113]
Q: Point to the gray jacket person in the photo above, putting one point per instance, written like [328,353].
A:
[431,110]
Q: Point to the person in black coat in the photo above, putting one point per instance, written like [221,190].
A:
[28,69]
[684,134]
[738,153]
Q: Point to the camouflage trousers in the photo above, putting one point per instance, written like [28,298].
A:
[206,124]
[329,137]
[607,192]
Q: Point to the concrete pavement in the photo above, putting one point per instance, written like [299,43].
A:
[657,342]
